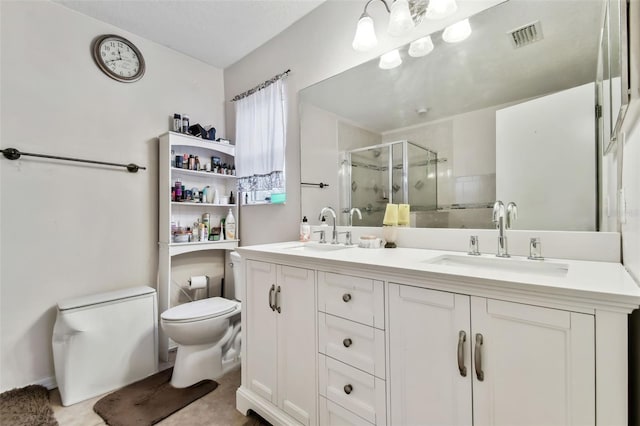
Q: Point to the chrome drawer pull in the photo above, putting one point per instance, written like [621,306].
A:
[271,304]
[347,342]
[478,358]
[346,297]
[348,389]
[462,337]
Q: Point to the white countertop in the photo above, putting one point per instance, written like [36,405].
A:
[601,282]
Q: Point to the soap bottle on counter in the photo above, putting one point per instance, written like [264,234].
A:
[230,226]
[305,230]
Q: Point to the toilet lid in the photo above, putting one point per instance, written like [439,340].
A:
[200,309]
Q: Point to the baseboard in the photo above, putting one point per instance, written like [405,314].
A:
[48,382]
[247,400]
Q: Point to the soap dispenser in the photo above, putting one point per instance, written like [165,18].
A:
[305,230]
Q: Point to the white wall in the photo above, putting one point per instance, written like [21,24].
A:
[314,48]
[71,229]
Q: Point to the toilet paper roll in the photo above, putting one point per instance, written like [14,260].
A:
[198,282]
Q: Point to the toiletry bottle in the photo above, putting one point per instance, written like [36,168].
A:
[222,229]
[177,122]
[185,123]
[231,199]
[323,222]
[305,230]
[203,232]
[230,226]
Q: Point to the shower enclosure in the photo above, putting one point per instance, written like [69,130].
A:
[399,172]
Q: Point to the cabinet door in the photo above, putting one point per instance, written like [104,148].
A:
[261,329]
[538,365]
[297,343]
[427,387]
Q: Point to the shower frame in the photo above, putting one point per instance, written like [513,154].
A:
[405,165]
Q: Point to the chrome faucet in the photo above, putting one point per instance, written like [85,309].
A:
[503,219]
[351,212]
[349,241]
[334,234]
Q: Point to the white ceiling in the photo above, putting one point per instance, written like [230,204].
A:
[482,71]
[218,32]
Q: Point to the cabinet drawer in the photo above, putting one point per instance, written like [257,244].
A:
[331,414]
[355,390]
[355,344]
[354,298]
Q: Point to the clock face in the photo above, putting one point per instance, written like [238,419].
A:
[118,58]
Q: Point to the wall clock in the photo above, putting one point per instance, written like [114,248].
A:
[118,58]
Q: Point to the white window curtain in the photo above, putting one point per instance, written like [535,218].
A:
[261,125]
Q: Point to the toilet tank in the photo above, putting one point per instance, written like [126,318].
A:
[238,274]
[105,341]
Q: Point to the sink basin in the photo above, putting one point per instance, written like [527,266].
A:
[523,266]
[317,247]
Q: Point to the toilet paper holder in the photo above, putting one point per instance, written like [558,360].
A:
[198,282]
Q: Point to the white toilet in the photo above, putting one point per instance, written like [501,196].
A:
[207,333]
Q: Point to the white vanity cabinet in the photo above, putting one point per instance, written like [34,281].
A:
[392,339]
[461,360]
[280,349]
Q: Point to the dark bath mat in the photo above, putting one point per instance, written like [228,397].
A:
[149,400]
[28,406]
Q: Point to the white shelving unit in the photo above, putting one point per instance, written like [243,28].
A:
[186,213]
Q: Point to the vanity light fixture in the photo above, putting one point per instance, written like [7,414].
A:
[421,47]
[404,16]
[457,32]
[400,21]
[390,60]
[365,38]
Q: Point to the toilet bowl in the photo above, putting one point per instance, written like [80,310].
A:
[207,333]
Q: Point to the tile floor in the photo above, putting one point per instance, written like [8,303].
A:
[217,408]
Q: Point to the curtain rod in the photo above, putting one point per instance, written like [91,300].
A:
[261,86]
[14,154]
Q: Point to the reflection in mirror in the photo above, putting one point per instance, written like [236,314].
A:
[506,114]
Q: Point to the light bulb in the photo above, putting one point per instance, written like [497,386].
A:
[421,47]
[365,38]
[390,60]
[400,21]
[457,32]
[439,9]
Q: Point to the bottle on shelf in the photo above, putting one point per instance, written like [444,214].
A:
[230,226]
[231,199]
[177,122]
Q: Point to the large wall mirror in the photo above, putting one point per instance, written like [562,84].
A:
[509,113]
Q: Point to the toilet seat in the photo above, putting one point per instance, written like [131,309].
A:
[200,310]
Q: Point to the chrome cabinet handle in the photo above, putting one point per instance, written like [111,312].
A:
[348,389]
[346,297]
[347,342]
[478,357]
[462,337]
[278,308]
[271,304]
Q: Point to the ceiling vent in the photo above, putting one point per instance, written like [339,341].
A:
[525,35]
